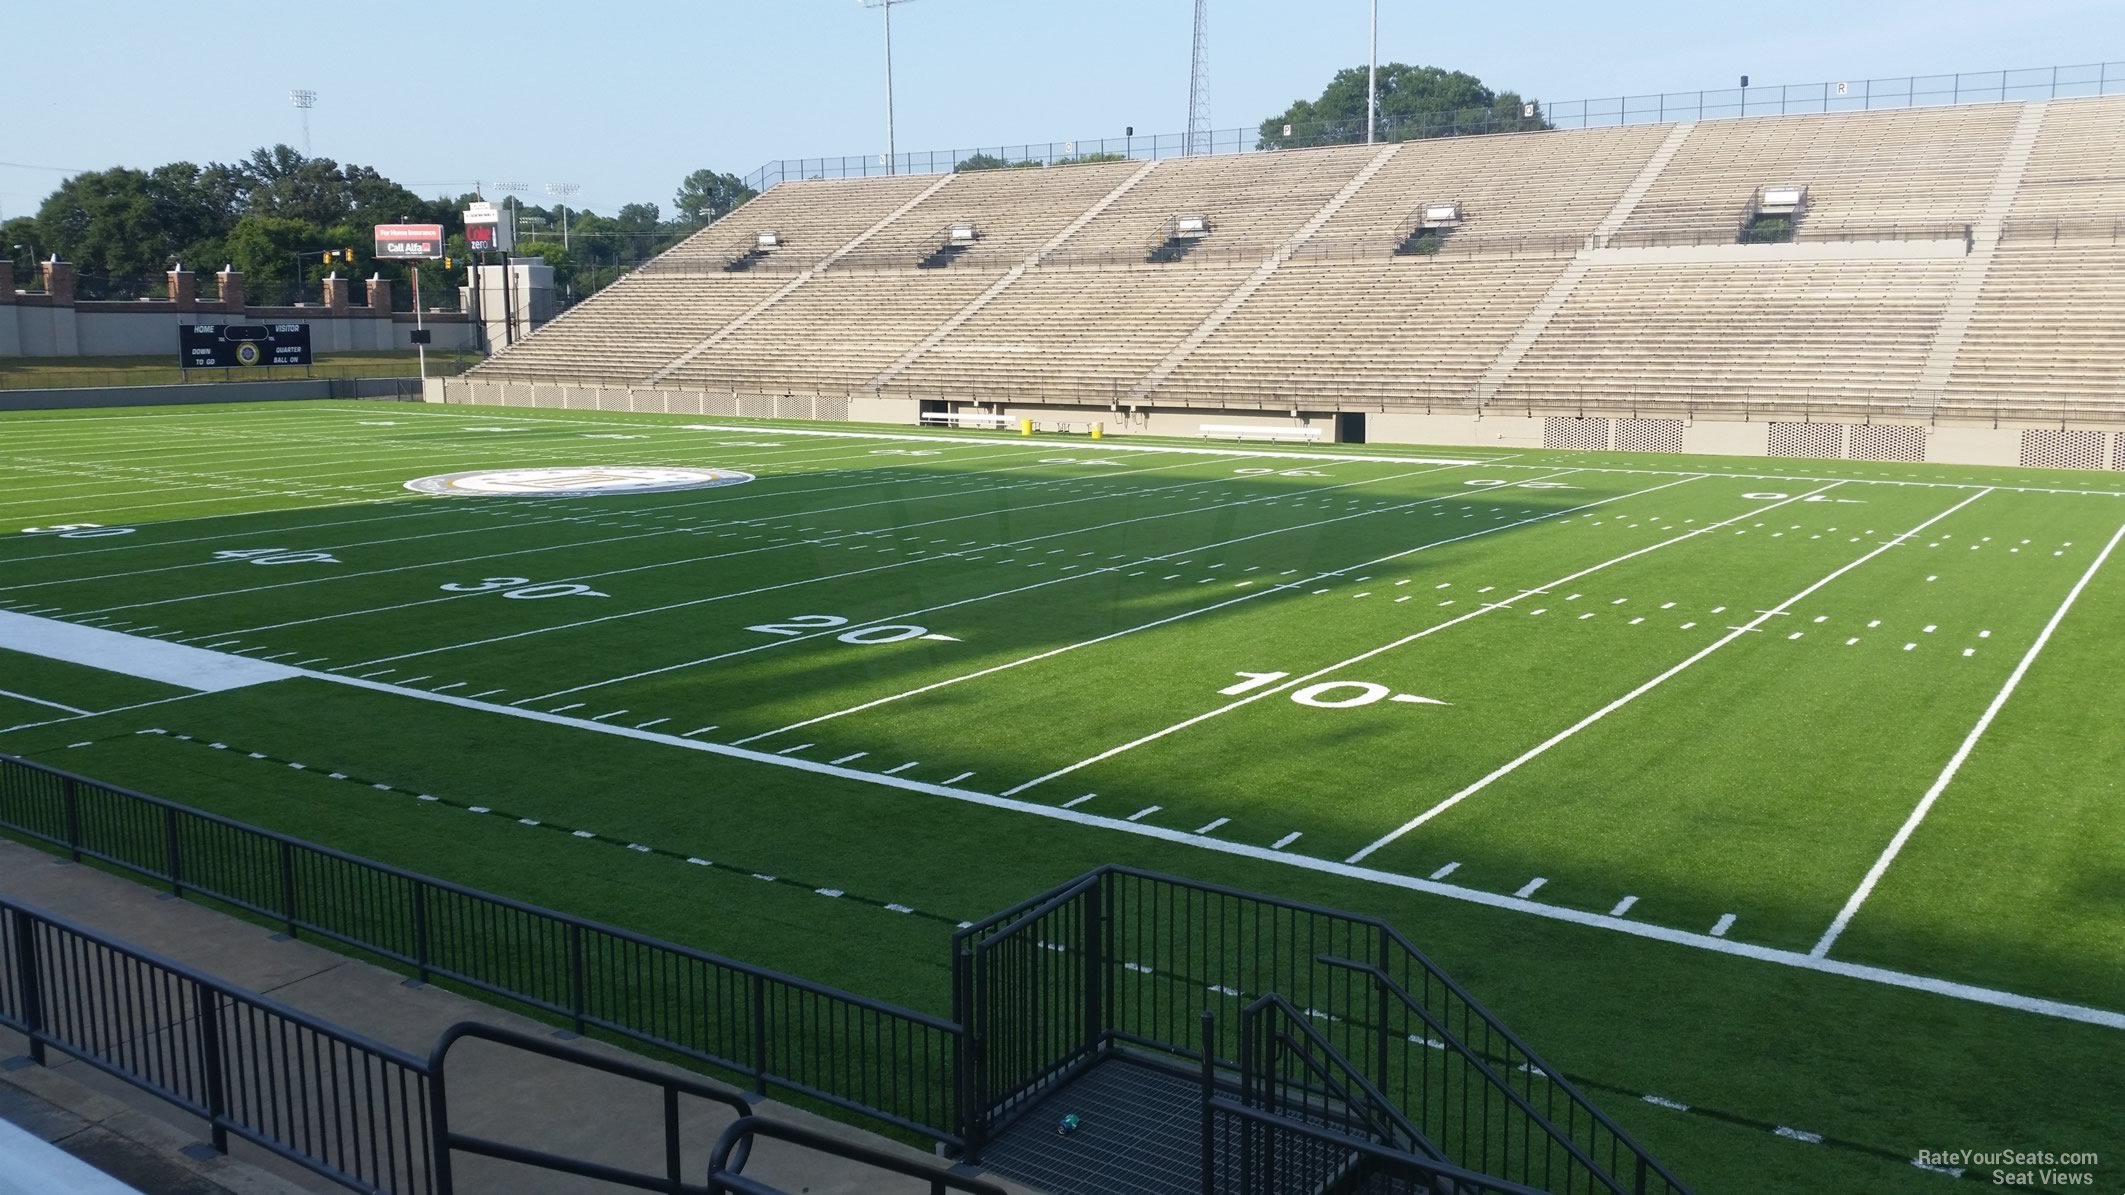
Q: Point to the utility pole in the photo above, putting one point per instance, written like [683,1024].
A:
[886,7]
[1199,84]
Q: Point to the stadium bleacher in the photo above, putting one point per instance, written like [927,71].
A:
[1946,260]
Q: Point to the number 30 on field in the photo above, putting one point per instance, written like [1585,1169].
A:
[523,588]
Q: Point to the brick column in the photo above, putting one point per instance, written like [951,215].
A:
[59,282]
[379,295]
[335,293]
[184,289]
[230,281]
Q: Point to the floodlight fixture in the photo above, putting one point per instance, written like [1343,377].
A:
[304,99]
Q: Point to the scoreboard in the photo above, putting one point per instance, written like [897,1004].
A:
[239,346]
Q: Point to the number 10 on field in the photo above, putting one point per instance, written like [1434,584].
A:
[1327,695]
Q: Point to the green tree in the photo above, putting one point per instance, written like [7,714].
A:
[270,249]
[987,161]
[1415,102]
[704,196]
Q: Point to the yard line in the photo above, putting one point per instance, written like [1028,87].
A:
[1404,641]
[1212,825]
[903,767]
[47,704]
[844,759]
[535,549]
[1568,732]
[1956,761]
[887,619]
[953,780]
[1143,813]
[1154,623]
[783,585]
[1993,997]
[1528,889]
[1074,802]
[1623,906]
[1285,841]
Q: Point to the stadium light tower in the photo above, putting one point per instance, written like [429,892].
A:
[1199,84]
[886,7]
[1372,77]
[304,99]
[563,191]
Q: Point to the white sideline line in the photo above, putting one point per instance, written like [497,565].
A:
[149,659]
[1404,641]
[47,704]
[2107,1018]
[1568,732]
[1955,762]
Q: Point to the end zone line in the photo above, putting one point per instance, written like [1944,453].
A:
[2105,1018]
[1955,762]
[1543,747]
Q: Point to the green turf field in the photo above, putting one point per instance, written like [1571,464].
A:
[1784,791]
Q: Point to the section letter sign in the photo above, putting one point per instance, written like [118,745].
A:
[409,242]
[238,346]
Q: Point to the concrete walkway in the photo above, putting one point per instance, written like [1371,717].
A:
[495,1092]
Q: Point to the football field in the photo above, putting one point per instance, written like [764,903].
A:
[1824,751]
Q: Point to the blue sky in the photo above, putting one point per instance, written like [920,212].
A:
[626,98]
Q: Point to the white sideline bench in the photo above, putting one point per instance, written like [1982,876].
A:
[968,419]
[1238,431]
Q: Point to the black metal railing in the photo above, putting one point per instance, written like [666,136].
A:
[777,1032]
[1530,114]
[737,1140]
[341,1106]
[1122,958]
[671,1179]
[1287,1067]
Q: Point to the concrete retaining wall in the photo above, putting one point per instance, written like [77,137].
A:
[162,396]
[1880,439]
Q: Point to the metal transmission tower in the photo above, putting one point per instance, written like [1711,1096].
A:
[1199,84]
[304,99]
[886,6]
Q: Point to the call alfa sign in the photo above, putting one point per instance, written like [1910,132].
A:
[409,242]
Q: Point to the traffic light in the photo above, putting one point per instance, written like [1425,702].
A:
[328,257]
[446,262]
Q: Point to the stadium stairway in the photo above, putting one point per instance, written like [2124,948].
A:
[1985,242]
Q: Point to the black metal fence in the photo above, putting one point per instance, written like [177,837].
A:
[778,1032]
[327,1100]
[1850,95]
[1125,958]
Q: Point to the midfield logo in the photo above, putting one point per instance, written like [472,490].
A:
[583,479]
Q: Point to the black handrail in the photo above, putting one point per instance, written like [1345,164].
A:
[448,1140]
[723,1177]
[336,1103]
[1483,1068]
[563,965]
[1390,1120]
